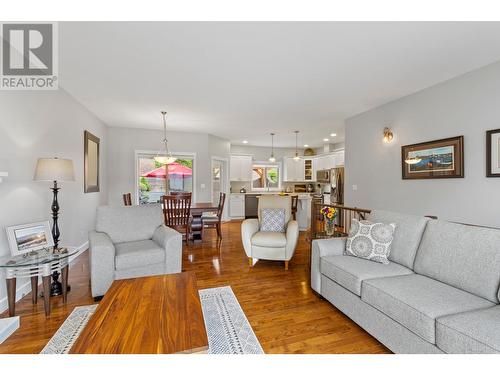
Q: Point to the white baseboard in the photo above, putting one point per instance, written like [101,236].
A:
[22,290]
[7,327]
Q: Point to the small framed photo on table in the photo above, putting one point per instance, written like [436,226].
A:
[493,153]
[26,238]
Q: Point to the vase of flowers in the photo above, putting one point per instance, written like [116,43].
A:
[329,213]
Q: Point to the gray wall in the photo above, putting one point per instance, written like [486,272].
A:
[36,124]
[123,142]
[467,105]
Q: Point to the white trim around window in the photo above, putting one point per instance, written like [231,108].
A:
[178,155]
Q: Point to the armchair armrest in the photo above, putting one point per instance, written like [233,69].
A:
[170,240]
[248,228]
[102,262]
[292,236]
[323,248]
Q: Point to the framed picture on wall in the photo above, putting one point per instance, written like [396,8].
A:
[443,158]
[493,153]
[26,238]
[91,163]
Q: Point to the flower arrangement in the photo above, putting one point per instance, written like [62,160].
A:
[329,213]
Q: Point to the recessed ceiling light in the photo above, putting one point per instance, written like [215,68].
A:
[333,135]
[306,145]
[245,141]
[325,139]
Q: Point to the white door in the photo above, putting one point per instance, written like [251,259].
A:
[219,182]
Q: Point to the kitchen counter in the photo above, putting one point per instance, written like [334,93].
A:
[301,195]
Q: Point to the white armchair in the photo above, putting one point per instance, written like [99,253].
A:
[270,245]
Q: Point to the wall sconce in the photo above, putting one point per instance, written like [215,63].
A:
[388,135]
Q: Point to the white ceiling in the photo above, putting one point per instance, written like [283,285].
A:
[243,80]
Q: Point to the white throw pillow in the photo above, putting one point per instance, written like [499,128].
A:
[272,220]
[370,241]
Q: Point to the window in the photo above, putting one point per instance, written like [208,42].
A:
[266,177]
[151,177]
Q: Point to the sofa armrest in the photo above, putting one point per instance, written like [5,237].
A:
[102,262]
[323,248]
[170,240]
[292,236]
[248,228]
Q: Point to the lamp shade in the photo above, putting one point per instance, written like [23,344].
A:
[54,169]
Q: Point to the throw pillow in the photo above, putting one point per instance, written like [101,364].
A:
[370,241]
[272,220]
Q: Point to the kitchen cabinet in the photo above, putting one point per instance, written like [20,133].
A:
[339,158]
[304,212]
[325,162]
[309,171]
[237,206]
[294,170]
[240,168]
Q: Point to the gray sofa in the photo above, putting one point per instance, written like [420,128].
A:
[131,242]
[439,294]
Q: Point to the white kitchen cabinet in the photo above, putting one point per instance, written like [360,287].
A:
[240,168]
[304,212]
[294,170]
[237,205]
[339,158]
[325,162]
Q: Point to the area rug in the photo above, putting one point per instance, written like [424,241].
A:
[227,327]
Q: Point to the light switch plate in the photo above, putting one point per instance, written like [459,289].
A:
[202,186]
[354,187]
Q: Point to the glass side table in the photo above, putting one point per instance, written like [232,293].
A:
[40,263]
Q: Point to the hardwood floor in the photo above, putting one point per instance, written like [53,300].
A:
[286,315]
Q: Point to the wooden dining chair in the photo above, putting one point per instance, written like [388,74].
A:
[214,221]
[295,202]
[127,199]
[177,213]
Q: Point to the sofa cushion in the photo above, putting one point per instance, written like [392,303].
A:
[407,236]
[463,256]
[415,301]
[369,240]
[138,254]
[129,223]
[470,332]
[350,271]
[269,239]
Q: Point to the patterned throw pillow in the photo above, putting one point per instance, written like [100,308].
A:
[370,241]
[272,220]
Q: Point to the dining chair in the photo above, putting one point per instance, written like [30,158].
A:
[209,220]
[127,199]
[295,202]
[177,213]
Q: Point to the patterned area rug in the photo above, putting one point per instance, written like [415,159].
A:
[227,327]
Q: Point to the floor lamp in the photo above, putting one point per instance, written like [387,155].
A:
[54,169]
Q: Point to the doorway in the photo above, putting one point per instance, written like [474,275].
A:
[220,182]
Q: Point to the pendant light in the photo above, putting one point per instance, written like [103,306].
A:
[296,157]
[272,159]
[167,158]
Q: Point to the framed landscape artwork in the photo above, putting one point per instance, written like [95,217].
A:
[493,153]
[443,158]
[26,238]
[91,161]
